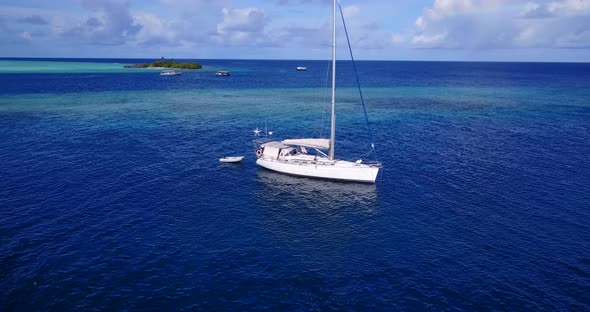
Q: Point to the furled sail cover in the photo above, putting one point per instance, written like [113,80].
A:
[313,143]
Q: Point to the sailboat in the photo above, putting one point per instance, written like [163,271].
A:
[291,156]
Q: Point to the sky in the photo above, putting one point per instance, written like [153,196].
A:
[438,30]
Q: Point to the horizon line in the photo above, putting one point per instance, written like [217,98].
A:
[302,60]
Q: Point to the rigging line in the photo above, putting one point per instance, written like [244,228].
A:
[358,83]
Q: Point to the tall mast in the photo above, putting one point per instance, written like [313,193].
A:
[333,120]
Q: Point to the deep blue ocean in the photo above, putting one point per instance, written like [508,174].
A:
[112,196]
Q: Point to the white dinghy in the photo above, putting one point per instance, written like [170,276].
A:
[231,159]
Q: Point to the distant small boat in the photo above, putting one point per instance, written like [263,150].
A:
[231,159]
[222,73]
[169,72]
[301,68]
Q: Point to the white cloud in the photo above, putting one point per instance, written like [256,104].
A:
[429,40]
[397,39]
[575,40]
[300,2]
[33,19]
[241,26]
[557,8]
[205,27]
[242,20]
[25,36]
[450,7]
[113,25]
[490,24]
[350,11]
[364,30]
[154,30]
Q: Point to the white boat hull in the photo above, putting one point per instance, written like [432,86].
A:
[231,159]
[337,170]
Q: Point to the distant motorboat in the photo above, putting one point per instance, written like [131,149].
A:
[231,159]
[222,73]
[170,72]
[301,68]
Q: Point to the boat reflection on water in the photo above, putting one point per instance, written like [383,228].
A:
[323,195]
[319,225]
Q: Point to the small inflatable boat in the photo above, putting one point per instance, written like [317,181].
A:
[231,159]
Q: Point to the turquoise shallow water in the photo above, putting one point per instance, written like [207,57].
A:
[15,67]
[99,66]
[112,196]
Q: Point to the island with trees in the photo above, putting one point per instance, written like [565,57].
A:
[163,63]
